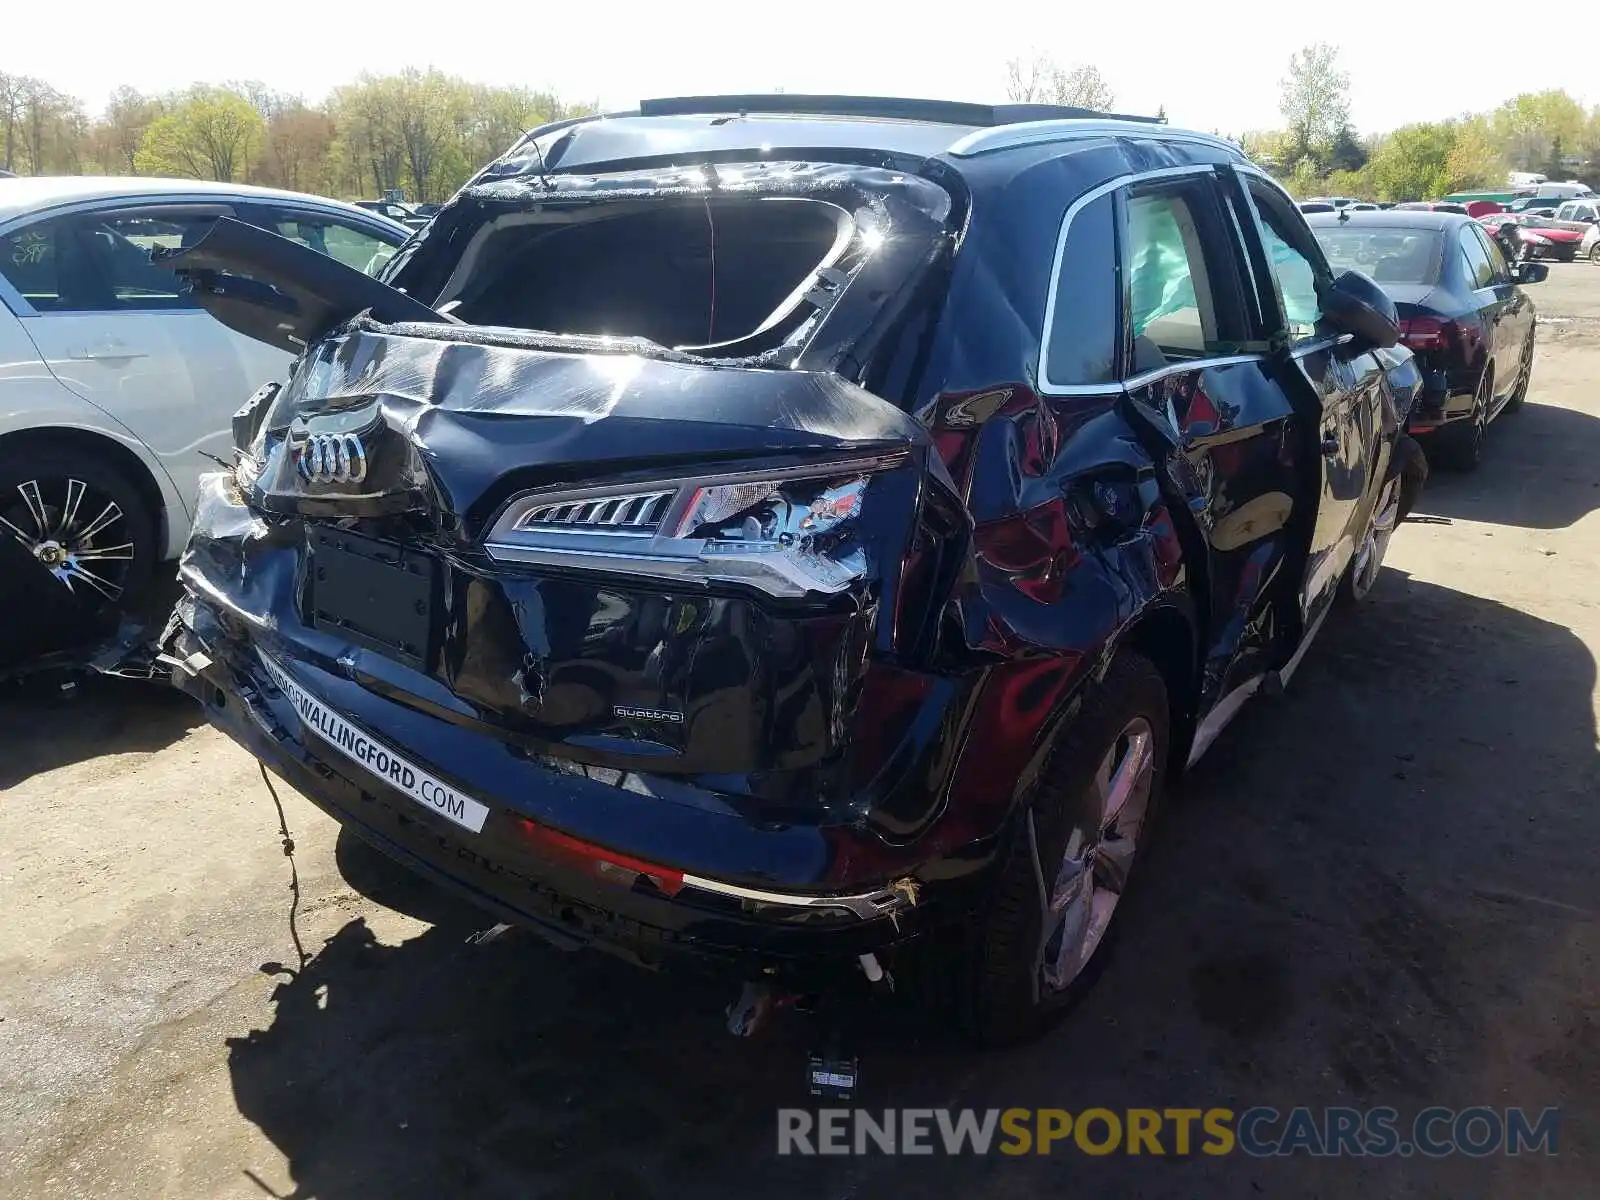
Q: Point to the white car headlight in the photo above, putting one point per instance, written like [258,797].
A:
[789,532]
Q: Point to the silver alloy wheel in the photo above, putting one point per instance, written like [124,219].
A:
[1480,415]
[75,531]
[1077,906]
[1369,555]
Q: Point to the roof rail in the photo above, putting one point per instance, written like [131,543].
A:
[939,112]
[1035,133]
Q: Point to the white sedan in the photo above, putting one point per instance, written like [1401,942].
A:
[115,386]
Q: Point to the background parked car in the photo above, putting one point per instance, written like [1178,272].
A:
[117,384]
[1586,212]
[1547,238]
[1462,314]
[1590,246]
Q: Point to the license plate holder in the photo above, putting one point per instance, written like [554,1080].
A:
[377,594]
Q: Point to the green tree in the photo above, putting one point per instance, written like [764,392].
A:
[369,143]
[1432,159]
[210,134]
[120,132]
[1346,152]
[1305,180]
[1526,126]
[1473,162]
[297,148]
[1314,99]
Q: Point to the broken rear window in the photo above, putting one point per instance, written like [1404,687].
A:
[721,276]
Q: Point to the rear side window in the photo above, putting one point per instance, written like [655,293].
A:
[1182,277]
[99,262]
[1499,271]
[1479,271]
[350,244]
[1082,339]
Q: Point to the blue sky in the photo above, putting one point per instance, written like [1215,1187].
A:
[1213,68]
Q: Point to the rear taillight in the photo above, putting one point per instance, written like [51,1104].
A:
[1427,333]
[787,531]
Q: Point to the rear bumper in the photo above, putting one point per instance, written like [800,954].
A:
[1438,405]
[528,872]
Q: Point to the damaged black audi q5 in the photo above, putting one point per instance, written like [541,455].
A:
[796,534]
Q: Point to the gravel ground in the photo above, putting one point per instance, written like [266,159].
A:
[1379,889]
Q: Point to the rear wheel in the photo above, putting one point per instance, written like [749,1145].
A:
[1461,444]
[1519,391]
[1594,254]
[83,522]
[1368,561]
[1041,940]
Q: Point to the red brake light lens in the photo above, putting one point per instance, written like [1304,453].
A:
[1427,333]
[621,869]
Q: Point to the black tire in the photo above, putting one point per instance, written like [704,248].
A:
[1519,393]
[1460,445]
[54,470]
[992,977]
[1594,254]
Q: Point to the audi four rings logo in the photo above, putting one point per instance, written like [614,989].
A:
[333,458]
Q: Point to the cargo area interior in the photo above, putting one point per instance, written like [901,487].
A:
[703,274]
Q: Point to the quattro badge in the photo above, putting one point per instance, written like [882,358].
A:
[332,458]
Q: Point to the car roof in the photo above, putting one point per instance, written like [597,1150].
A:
[707,126]
[1388,218]
[28,193]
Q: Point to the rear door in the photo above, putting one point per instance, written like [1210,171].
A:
[1340,393]
[1494,308]
[1514,313]
[1199,380]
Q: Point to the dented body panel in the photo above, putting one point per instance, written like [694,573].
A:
[703,737]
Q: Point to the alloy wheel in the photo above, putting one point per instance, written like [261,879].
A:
[1480,418]
[1079,898]
[75,531]
[1369,555]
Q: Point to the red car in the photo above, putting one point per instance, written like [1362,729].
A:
[1538,237]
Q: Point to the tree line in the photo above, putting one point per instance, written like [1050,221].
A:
[1318,151]
[423,133]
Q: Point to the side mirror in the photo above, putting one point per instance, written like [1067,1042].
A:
[1357,305]
[1532,272]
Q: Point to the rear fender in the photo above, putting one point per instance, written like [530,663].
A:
[1075,549]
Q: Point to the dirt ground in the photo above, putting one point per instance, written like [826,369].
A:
[1379,889]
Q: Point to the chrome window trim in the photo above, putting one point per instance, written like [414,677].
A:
[1045,386]
[1035,133]
[1146,378]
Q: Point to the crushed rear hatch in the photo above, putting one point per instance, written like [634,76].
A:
[692,559]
